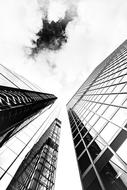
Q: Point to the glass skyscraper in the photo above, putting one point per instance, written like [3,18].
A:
[37,170]
[29,134]
[98,120]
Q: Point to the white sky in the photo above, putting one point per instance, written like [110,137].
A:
[67,174]
[99,28]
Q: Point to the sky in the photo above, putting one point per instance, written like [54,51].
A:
[96,29]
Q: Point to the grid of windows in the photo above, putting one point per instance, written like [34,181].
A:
[14,150]
[25,114]
[98,117]
[37,170]
[18,104]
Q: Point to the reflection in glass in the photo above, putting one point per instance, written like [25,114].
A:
[110,178]
[120,173]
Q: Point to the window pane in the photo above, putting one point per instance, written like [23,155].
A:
[122,151]
[80,148]
[120,117]
[109,131]
[109,112]
[94,150]
[100,123]
[120,173]
[84,162]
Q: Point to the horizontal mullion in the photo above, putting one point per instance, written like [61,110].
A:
[109,80]
[110,74]
[116,65]
[102,103]
[114,93]
[108,86]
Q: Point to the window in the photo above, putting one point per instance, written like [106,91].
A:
[102,109]
[77,139]
[120,117]
[100,124]
[83,131]
[122,151]
[84,162]
[110,98]
[80,148]
[100,142]
[93,119]
[75,133]
[120,99]
[109,112]
[87,139]
[109,132]
[121,174]
[94,150]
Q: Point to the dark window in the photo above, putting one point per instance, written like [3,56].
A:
[110,179]
[80,126]
[87,139]
[74,127]
[83,131]
[80,148]
[77,139]
[84,162]
[75,133]
[94,150]
[94,185]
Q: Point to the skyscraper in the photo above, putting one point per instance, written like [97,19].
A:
[37,171]
[17,105]
[29,134]
[97,114]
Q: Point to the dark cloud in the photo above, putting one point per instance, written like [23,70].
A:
[52,35]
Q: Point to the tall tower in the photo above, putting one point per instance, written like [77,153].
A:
[18,102]
[29,134]
[37,171]
[98,114]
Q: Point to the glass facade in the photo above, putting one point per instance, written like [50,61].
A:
[25,116]
[97,114]
[17,104]
[37,171]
